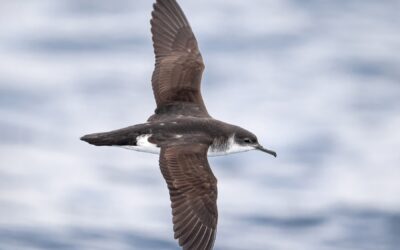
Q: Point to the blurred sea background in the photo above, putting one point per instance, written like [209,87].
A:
[317,81]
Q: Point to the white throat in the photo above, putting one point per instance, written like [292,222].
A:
[232,147]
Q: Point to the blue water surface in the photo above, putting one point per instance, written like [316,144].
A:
[317,81]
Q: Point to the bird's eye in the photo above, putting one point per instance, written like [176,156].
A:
[247,140]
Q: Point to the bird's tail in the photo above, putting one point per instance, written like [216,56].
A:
[121,137]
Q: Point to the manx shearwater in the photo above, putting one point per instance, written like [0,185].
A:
[181,131]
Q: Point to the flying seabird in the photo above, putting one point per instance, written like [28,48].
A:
[181,131]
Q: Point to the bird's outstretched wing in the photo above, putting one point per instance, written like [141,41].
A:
[193,192]
[179,66]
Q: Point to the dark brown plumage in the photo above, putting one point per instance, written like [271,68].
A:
[176,82]
[179,66]
[193,190]
[181,130]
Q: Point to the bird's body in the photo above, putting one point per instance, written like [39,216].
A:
[150,137]
[181,131]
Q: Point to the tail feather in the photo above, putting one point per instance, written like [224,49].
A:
[121,137]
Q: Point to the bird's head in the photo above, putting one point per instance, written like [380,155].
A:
[246,139]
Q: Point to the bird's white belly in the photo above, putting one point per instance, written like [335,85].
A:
[143,145]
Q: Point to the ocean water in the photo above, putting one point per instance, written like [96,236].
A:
[317,81]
